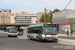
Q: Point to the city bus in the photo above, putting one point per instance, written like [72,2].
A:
[47,32]
[12,32]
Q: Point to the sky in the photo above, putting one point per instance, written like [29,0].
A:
[35,6]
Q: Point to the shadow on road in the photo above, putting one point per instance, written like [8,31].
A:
[7,37]
[46,41]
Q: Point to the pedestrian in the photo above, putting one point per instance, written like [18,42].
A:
[71,32]
[67,33]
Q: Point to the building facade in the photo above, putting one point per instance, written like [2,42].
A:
[5,16]
[13,14]
[23,18]
[64,17]
[39,14]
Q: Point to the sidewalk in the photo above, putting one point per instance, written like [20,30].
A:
[59,34]
[3,32]
[22,37]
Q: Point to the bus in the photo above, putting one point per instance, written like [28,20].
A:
[12,32]
[47,32]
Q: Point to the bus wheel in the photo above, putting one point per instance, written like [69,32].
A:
[40,40]
[56,41]
[16,36]
[37,38]
[8,36]
[30,38]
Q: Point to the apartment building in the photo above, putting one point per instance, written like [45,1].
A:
[23,17]
[5,16]
[66,16]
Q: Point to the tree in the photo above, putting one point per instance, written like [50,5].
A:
[55,10]
[47,18]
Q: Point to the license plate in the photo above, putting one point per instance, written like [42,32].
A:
[50,39]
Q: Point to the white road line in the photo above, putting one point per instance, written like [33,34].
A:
[22,37]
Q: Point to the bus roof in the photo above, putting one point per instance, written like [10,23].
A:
[36,25]
[41,25]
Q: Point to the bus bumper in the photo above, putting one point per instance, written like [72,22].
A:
[50,39]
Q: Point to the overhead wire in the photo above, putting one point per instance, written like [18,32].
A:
[65,7]
[68,4]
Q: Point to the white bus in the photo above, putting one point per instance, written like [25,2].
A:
[47,32]
[12,32]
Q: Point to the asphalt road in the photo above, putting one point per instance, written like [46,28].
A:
[12,43]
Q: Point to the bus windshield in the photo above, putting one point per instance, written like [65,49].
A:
[12,30]
[50,30]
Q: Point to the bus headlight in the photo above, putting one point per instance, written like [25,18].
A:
[56,36]
[43,36]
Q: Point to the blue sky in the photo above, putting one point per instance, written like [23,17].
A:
[35,6]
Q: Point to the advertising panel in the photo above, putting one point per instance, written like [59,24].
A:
[72,28]
[65,28]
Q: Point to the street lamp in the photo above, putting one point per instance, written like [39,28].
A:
[50,13]
[45,15]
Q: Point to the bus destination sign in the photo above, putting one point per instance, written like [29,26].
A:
[51,25]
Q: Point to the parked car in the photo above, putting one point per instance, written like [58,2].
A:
[20,33]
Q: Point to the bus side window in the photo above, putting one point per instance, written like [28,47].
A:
[39,31]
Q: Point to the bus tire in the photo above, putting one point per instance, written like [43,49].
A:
[56,41]
[40,40]
[16,36]
[8,36]
[30,38]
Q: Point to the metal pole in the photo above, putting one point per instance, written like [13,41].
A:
[3,21]
[45,16]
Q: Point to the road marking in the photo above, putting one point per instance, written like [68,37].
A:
[22,37]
